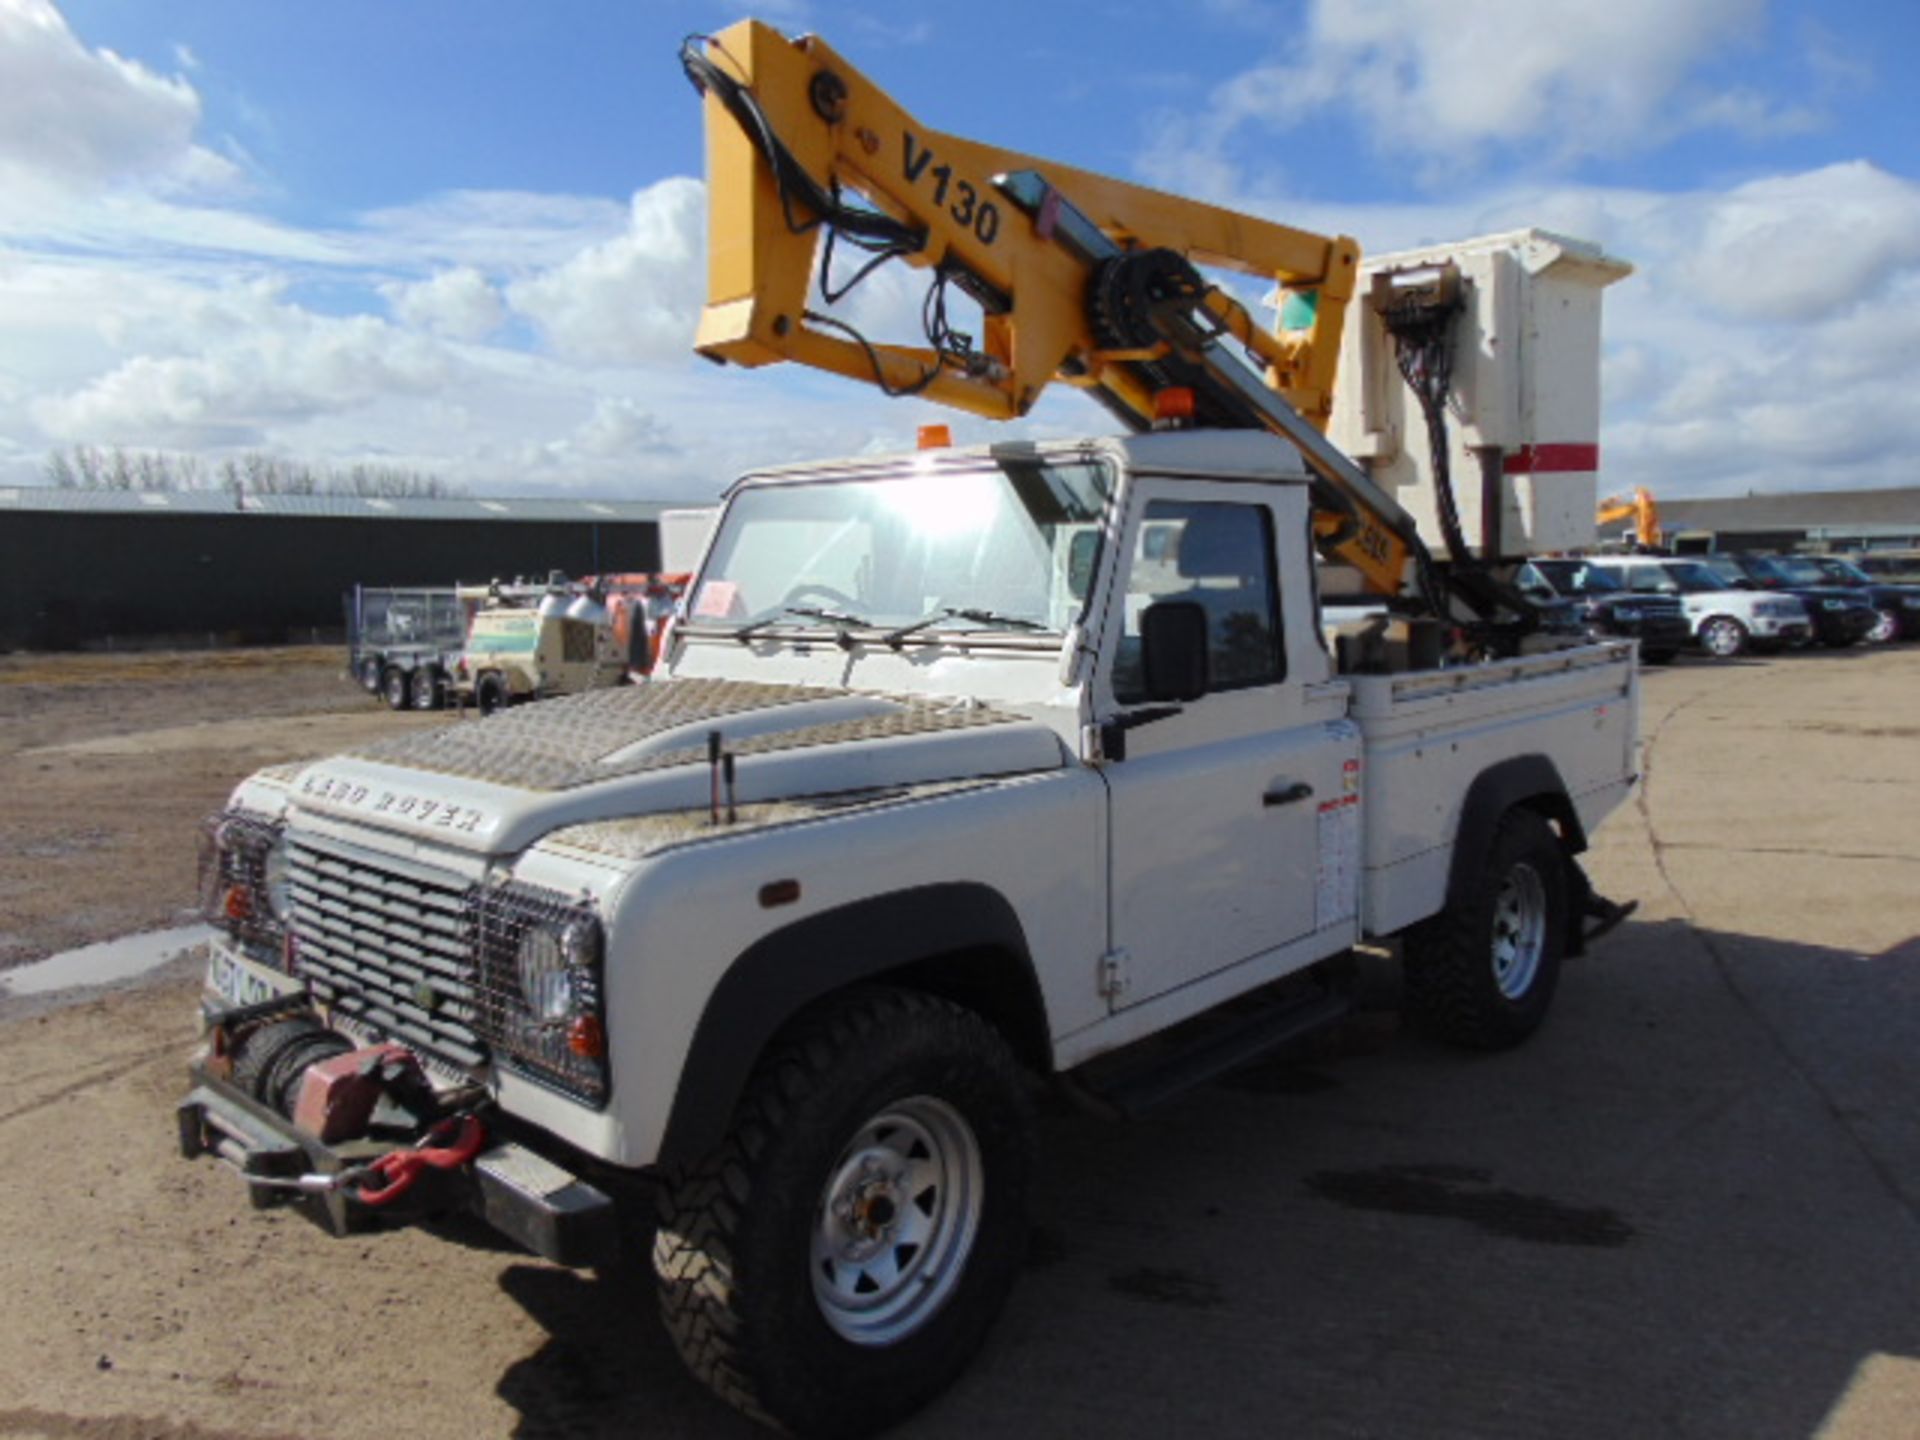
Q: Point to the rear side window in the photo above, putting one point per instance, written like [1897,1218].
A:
[1219,556]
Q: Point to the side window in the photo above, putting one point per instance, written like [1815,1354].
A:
[1219,556]
[1650,579]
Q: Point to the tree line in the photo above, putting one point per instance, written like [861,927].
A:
[89,467]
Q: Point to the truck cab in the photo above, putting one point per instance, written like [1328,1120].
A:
[966,761]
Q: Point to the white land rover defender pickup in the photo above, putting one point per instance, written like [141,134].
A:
[969,766]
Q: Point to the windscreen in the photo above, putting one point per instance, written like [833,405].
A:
[1576,577]
[1015,541]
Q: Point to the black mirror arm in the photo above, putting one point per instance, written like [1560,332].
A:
[1113,730]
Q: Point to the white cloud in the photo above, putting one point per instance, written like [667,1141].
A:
[633,299]
[460,303]
[74,119]
[1442,82]
[244,360]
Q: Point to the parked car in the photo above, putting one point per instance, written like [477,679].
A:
[1604,606]
[1726,620]
[1888,567]
[1841,617]
[1897,606]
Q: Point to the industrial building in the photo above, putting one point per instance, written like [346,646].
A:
[97,568]
[1816,519]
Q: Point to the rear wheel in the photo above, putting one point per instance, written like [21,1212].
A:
[1723,636]
[369,675]
[396,689]
[1482,972]
[834,1264]
[429,690]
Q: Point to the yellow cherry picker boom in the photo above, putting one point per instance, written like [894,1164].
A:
[1081,279]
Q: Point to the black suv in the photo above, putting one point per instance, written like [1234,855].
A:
[1898,606]
[1841,617]
[1606,607]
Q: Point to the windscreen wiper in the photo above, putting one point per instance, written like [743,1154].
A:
[961,612]
[840,620]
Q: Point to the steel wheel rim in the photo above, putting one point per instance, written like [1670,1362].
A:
[897,1220]
[1722,638]
[1519,931]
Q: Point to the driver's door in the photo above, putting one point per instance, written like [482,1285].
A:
[1215,811]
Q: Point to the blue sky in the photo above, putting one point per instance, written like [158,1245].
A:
[468,236]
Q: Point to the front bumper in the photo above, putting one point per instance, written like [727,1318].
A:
[1842,627]
[526,1197]
[1793,631]
[1654,632]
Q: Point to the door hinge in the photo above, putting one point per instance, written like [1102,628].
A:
[1116,975]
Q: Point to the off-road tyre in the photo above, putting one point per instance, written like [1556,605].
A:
[396,689]
[735,1253]
[1453,980]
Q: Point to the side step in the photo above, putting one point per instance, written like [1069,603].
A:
[1125,1085]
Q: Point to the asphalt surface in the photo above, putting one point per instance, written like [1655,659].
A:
[1690,1207]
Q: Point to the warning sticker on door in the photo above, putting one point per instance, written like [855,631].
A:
[1336,889]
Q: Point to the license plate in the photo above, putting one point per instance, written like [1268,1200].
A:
[242,982]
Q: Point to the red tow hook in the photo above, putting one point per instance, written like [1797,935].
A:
[399,1169]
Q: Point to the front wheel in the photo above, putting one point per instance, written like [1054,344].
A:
[1723,636]
[1482,972]
[834,1264]
[490,693]
[1886,627]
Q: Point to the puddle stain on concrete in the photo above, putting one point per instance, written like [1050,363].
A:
[103,964]
[1168,1287]
[1455,1192]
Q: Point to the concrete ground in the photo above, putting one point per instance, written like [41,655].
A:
[1690,1207]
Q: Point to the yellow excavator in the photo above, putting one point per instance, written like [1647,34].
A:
[1080,279]
[1641,510]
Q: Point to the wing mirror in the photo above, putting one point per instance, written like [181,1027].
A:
[1173,650]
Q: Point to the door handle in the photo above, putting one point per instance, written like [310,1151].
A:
[1287,794]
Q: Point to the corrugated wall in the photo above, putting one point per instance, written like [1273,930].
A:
[71,580]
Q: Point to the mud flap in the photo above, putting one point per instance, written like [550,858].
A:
[1589,913]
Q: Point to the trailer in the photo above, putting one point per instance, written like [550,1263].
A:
[403,641]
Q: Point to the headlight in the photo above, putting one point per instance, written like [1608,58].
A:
[1833,604]
[545,985]
[550,957]
[244,887]
[1626,612]
[541,1004]
[1912,602]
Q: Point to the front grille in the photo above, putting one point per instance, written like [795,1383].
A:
[390,946]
